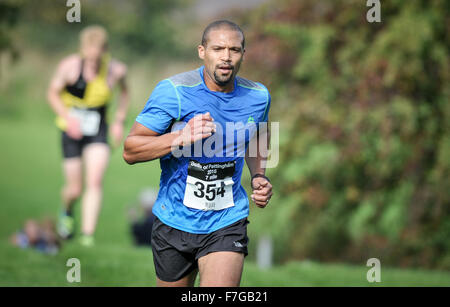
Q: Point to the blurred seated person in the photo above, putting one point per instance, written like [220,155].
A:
[141,227]
[41,236]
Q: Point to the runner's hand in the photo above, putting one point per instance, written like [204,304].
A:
[262,191]
[74,128]
[199,127]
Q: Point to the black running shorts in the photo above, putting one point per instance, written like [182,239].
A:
[175,252]
[73,148]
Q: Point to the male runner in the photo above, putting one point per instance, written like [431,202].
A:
[79,93]
[202,208]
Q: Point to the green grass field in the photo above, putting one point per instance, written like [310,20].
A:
[30,180]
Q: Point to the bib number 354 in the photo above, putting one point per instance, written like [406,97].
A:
[211,190]
[209,186]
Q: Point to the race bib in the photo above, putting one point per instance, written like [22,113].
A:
[89,120]
[209,186]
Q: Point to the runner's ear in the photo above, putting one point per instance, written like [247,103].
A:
[201,51]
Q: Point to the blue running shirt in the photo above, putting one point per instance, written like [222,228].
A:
[200,188]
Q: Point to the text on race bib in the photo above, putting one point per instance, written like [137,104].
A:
[209,186]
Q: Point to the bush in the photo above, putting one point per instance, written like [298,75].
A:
[365,171]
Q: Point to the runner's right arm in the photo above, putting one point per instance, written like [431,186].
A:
[144,144]
[57,85]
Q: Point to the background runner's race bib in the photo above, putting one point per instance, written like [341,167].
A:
[89,120]
[209,186]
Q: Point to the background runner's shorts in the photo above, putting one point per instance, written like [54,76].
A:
[73,148]
[175,252]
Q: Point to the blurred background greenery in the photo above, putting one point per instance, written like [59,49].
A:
[364,118]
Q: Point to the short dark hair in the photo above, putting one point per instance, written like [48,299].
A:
[218,24]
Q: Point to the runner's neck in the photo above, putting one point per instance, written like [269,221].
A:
[93,65]
[91,68]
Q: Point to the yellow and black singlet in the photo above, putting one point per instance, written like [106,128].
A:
[92,95]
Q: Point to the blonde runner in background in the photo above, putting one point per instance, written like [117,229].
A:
[79,93]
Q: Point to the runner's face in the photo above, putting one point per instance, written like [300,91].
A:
[222,55]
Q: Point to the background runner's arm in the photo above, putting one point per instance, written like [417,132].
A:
[57,84]
[122,108]
[124,99]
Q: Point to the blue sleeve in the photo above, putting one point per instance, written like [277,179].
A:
[162,107]
[265,117]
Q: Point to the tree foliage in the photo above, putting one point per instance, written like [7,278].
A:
[136,28]
[364,108]
[9,13]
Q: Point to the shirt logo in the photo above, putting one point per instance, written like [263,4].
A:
[250,119]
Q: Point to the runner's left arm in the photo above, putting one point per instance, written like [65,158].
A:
[261,186]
